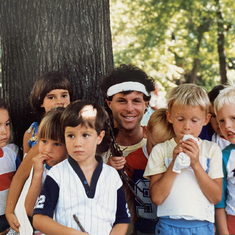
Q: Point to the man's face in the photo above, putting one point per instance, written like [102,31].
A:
[127,109]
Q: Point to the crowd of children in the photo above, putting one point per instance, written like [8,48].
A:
[64,186]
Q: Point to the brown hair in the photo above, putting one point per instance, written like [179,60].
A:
[46,83]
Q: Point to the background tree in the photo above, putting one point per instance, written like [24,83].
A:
[72,37]
[176,41]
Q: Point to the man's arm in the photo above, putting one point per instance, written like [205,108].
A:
[116,162]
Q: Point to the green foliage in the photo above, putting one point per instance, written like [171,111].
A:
[166,37]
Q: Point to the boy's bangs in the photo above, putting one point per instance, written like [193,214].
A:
[51,133]
[87,122]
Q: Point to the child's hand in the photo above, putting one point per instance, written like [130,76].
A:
[4,232]
[191,148]
[38,162]
[178,149]
[13,221]
[117,162]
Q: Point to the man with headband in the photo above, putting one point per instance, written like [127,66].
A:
[127,91]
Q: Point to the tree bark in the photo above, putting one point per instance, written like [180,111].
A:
[220,45]
[73,37]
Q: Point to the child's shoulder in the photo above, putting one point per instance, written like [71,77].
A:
[229,148]
[110,169]
[228,151]
[208,144]
[13,147]
[210,149]
[168,144]
[11,150]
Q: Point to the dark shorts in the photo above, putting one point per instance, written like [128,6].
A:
[3,223]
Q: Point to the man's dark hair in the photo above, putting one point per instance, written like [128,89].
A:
[127,73]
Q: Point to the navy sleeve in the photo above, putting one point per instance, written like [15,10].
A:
[17,162]
[122,214]
[207,132]
[48,198]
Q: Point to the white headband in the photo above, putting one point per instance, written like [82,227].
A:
[127,86]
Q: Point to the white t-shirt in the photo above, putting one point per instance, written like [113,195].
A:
[186,200]
[220,141]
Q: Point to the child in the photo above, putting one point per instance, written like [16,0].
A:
[9,163]
[50,90]
[185,200]
[52,150]
[225,113]
[217,137]
[212,129]
[158,131]
[82,186]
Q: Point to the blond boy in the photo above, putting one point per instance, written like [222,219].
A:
[225,111]
[186,200]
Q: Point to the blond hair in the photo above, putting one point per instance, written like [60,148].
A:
[50,127]
[158,122]
[189,95]
[225,97]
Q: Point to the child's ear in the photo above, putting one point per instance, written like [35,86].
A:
[145,131]
[168,115]
[207,119]
[100,137]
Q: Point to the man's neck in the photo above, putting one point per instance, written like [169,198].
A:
[129,137]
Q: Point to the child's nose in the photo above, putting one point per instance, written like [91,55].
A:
[3,130]
[186,125]
[227,124]
[77,141]
[48,148]
[60,101]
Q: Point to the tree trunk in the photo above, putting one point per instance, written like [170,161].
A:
[202,28]
[71,36]
[220,45]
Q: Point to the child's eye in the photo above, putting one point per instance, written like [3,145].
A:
[65,96]
[71,136]
[85,135]
[44,141]
[233,118]
[8,124]
[50,97]
[58,144]
[194,120]
[221,120]
[213,116]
